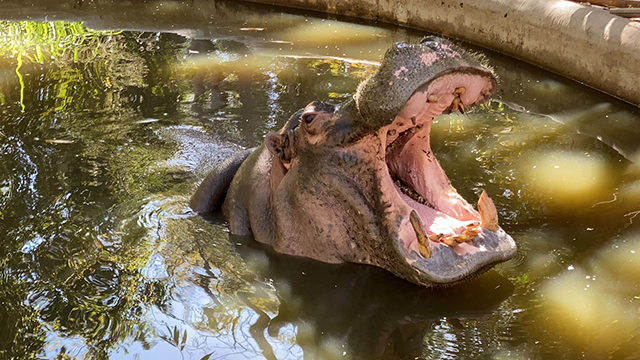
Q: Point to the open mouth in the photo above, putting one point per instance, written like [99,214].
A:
[435,214]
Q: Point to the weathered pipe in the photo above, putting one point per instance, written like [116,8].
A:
[586,44]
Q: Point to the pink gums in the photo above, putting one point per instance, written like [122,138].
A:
[416,166]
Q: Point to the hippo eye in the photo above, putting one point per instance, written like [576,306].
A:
[308,118]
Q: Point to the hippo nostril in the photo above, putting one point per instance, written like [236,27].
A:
[432,42]
[427,40]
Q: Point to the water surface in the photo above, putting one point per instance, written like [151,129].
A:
[111,113]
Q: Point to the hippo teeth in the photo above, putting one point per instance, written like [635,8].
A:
[413,194]
[418,228]
[488,212]
[402,138]
[458,105]
[434,209]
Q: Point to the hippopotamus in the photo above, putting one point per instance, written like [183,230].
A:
[358,182]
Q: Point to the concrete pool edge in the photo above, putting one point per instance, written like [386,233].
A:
[585,44]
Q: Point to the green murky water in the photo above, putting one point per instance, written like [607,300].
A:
[110,114]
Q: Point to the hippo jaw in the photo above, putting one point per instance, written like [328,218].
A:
[439,237]
[359,182]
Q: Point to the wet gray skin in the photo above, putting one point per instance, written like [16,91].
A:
[358,182]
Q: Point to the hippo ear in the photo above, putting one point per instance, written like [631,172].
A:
[274,143]
[280,145]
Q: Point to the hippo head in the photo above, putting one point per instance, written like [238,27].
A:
[359,182]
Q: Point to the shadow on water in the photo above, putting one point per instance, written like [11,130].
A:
[370,311]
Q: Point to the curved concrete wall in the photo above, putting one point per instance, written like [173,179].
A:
[583,43]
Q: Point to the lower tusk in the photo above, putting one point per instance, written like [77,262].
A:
[432,99]
[488,212]
[423,241]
